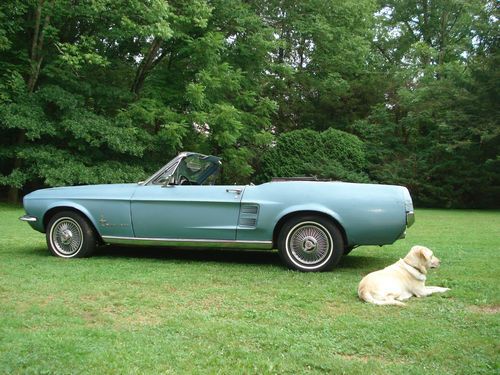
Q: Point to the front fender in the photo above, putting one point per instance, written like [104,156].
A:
[40,207]
[75,206]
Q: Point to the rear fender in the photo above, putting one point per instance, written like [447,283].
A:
[311,208]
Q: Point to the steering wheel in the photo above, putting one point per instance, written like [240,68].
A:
[183,180]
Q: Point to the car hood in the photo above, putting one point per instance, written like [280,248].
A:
[111,191]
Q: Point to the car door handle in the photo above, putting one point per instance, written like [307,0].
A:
[236,191]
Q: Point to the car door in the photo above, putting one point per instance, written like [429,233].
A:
[186,212]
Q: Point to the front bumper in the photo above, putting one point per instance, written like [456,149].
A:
[28,218]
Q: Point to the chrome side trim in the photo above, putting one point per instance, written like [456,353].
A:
[28,218]
[267,245]
[410,218]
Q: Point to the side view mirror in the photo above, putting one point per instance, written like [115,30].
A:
[168,181]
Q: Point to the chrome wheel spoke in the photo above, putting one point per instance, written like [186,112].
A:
[67,236]
[309,243]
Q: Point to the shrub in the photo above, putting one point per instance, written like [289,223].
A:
[332,154]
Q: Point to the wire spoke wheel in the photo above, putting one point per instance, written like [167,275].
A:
[70,234]
[309,243]
[66,236]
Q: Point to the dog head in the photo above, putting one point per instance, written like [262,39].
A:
[422,259]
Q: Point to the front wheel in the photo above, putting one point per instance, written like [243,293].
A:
[69,235]
[310,243]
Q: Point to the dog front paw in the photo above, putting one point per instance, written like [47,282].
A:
[439,289]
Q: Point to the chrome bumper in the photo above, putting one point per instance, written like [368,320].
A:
[28,218]
[410,218]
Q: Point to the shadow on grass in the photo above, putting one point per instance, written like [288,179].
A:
[224,256]
[255,257]
[361,262]
[197,255]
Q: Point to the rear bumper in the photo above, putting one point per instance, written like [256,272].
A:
[28,218]
[410,218]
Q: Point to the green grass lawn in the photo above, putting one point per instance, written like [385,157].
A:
[141,310]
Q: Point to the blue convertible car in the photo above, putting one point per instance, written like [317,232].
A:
[311,223]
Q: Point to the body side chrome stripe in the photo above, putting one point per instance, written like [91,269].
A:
[188,242]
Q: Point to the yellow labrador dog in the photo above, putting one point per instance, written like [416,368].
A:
[401,280]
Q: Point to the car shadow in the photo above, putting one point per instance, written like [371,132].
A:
[226,256]
[255,257]
[37,251]
[187,254]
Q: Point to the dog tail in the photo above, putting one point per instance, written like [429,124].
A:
[368,297]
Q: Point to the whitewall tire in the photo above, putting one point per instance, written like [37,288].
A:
[310,243]
[69,235]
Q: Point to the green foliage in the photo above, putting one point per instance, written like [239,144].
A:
[127,84]
[82,54]
[319,61]
[437,131]
[113,90]
[332,154]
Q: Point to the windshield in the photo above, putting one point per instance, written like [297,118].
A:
[188,169]
[195,170]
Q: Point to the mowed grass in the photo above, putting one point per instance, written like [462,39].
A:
[141,310]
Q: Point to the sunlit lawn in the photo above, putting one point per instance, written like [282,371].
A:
[142,310]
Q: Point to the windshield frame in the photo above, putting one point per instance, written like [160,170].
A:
[175,162]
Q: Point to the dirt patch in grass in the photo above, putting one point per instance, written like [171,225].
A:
[46,301]
[367,358]
[487,309]
[139,318]
[120,317]
[213,302]
[359,358]
[109,308]
[335,308]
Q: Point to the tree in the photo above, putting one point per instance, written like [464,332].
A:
[319,62]
[107,91]
[56,126]
[332,154]
[433,132]
[98,86]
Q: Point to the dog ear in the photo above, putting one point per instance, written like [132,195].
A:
[417,259]
[424,253]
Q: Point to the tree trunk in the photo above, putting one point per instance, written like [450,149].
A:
[150,60]
[37,46]
[426,34]
[13,195]
[443,35]
[36,59]
[13,192]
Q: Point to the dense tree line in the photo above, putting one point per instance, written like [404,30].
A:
[108,90]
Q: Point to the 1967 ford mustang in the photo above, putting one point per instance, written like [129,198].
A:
[311,223]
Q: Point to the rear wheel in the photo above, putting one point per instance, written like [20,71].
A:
[310,243]
[69,235]
[348,249]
